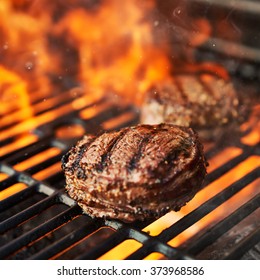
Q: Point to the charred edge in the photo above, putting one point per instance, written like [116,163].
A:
[143,213]
[135,159]
[105,157]
[65,159]
[81,174]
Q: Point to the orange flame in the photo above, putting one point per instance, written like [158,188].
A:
[116,47]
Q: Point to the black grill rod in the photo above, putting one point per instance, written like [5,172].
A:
[105,246]
[45,134]
[57,179]
[126,233]
[37,232]
[9,181]
[196,246]
[224,168]
[17,197]
[50,123]
[28,213]
[208,206]
[66,99]
[29,150]
[43,165]
[244,246]
[121,234]
[154,244]
[33,186]
[66,241]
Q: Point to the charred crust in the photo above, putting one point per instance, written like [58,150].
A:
[79,156]
[64,160]
[80,173]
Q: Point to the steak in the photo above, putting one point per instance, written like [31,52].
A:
[202,100]
[136,173]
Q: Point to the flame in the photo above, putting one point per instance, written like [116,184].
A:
[116,47]
[22,40]
[13,87]
[12,190]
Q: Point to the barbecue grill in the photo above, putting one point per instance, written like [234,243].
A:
[39,221]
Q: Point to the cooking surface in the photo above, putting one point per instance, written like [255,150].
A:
[38,125]
[38,220]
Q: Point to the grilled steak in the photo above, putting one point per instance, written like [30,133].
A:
[135,173]
[202,100]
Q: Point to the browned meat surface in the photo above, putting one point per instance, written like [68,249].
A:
[136,173]
[203,100]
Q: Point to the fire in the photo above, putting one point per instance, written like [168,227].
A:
[22,44]
[117,50]
[13,87]
[113,45]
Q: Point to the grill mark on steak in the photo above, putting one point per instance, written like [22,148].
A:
[109,151]
[81,150]
[125,150]
[133,164]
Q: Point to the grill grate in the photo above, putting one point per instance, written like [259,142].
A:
[39,221]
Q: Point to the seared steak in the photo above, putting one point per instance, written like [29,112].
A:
[201,100]
[135,173]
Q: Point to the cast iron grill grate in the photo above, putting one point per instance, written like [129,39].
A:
[39,221]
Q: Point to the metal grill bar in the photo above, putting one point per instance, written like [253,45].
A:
[60,231]
[18,197]
[208,206]
[67,241]
[125,233]
[8,182]
[215,232]
[42,165]
[26,152]
[223,169]
[150,244]
[240,249]
[28,213]
[37,232]
[105,246]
